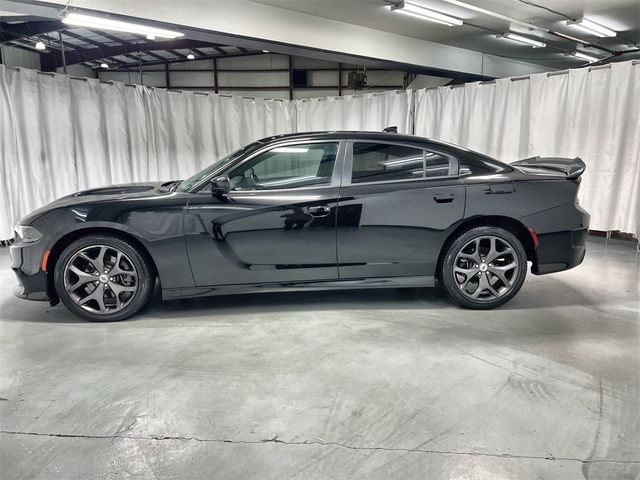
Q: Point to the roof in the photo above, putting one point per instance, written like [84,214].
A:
[360,135]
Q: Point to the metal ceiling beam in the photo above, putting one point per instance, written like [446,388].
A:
[52,60]
[30,29]
[138,60]
[113,38]
[82,39]
[208,57]
[177,54]
[155,55]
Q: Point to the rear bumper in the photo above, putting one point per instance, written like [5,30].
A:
[559,251]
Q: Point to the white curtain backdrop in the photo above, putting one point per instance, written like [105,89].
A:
[60,134]
[593,114]
[369,111]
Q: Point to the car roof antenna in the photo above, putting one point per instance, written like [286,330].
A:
[391,130]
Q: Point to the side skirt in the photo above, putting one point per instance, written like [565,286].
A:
[385,282]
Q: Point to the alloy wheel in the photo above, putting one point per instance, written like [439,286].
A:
[486,268]
[101,279]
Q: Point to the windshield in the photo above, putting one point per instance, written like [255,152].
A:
[187,184]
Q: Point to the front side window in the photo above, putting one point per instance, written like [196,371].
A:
[190,182]
[381,162]
[290,166]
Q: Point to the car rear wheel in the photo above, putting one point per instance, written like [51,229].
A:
[484,267]
[103,278]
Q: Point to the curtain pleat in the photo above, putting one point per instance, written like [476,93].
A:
[369,111]
[592,114]
[61,134]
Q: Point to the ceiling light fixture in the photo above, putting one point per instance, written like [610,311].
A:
[592,27]
[513,21]
[40,46]
[519,38]
[104,65]
[265,51]
[586,57]
[190,56]
[100,23]
[151,36]
[423,13]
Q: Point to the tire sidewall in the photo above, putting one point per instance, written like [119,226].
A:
[145,286]
[447,276]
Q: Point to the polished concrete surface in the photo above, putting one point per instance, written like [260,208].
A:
[370,384]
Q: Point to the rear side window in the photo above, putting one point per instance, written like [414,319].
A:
[381,162]
[436,164]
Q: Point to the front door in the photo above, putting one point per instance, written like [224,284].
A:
[397,204]
[277,224]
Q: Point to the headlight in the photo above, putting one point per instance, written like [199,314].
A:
[27,233]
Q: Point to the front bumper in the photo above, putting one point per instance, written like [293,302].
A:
[26,260]
[559,251]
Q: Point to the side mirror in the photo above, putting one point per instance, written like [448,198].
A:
[220,185]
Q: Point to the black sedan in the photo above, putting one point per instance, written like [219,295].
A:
[309,211]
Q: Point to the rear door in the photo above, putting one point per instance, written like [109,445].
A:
[397,203]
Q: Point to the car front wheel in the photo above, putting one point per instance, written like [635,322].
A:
[484,267]
[103,278]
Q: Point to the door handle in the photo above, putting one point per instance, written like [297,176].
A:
[319,211]
[444,197]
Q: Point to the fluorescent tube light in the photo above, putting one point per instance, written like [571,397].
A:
[521,39]
[586,57]
[593,28]
[104,65]
[40,46]
[423,13]
[190,56]
[100,23]
[511,20]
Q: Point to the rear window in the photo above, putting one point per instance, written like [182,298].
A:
[381,162]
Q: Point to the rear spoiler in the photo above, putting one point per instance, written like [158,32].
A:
[571,167]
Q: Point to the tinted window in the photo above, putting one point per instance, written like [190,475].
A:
[200,176]
[375,162]
[291,166]
[436,164]
[468,168]
[378,162]
[476,164]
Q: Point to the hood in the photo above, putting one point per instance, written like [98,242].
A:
[113,192]
[117,189]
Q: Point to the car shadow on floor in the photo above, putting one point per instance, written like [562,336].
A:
[546,295]
[549,294]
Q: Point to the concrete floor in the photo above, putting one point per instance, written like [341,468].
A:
[371,384]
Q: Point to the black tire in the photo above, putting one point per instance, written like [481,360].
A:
[144,282]
[456,284]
